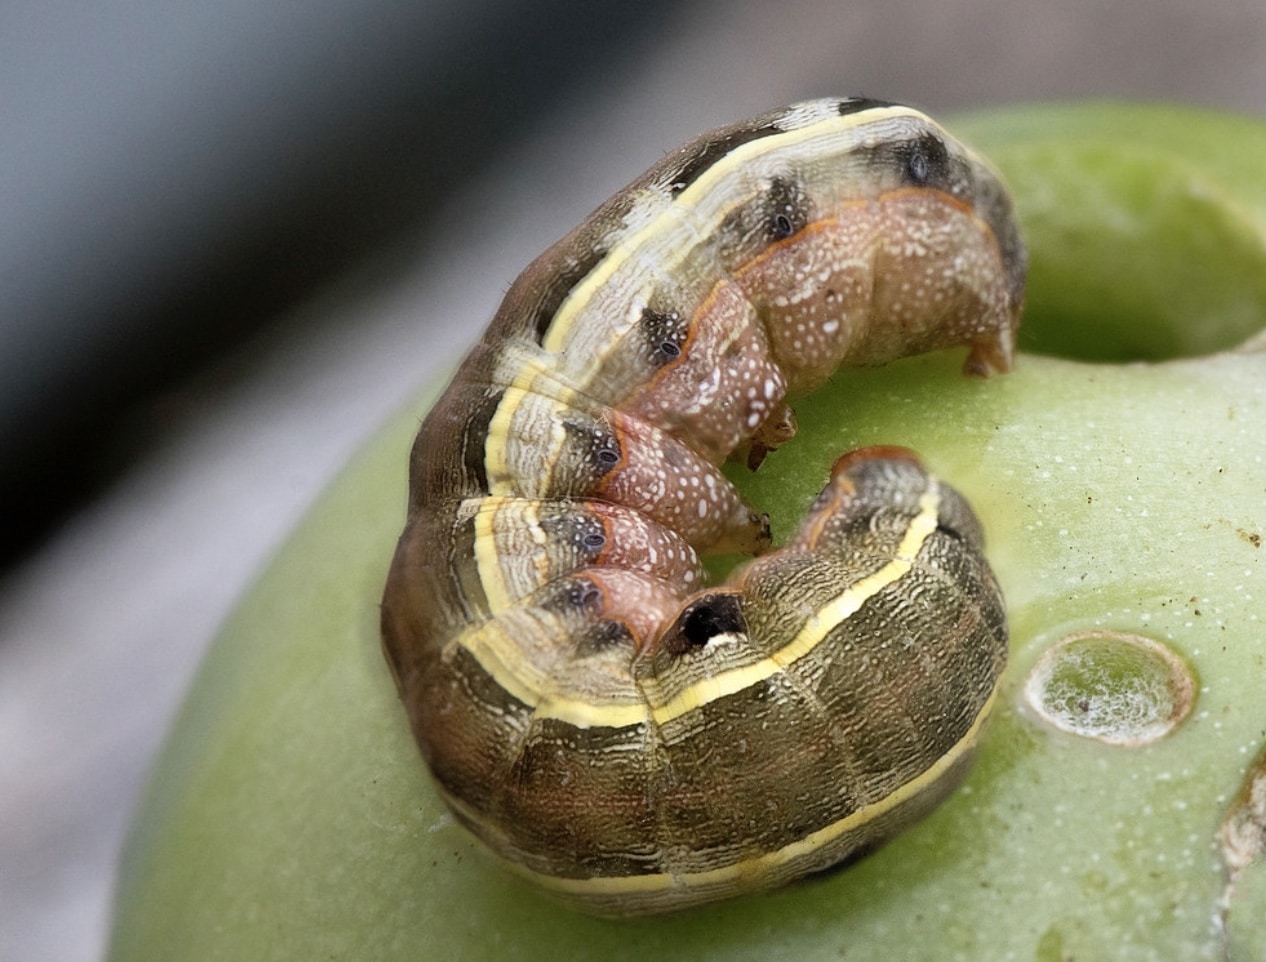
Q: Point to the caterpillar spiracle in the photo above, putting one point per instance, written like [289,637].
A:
[625,735]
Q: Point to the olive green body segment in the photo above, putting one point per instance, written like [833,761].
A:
[629,738]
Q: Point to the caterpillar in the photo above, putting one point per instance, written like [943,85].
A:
[628,737]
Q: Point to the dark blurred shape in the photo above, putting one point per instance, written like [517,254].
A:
[171,178]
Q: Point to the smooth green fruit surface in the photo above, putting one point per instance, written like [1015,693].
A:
[290,816]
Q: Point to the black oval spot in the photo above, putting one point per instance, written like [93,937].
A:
[567,596]
[574,527]
[664,333]
[717,613]
[786,208]
[925,161]
[917,167]
[591,446]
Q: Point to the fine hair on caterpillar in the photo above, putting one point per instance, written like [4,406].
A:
[624,735]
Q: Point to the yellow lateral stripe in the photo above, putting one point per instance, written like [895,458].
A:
[500,656]
[496,444]
[630,884]
[564,319]
[584,714]
[817,627]
[501,476]
[741,156]
[487,559]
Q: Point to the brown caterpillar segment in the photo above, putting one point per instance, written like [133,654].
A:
[628,738]
[521,544]
[552,450]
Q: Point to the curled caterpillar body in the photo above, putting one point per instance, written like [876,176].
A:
[629,738]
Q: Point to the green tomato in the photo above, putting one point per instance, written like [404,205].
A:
[290,816]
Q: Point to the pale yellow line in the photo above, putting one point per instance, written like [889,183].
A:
[817,627]
[754,867]
[498,470]
[496,467]
[754,148]
[500,656]
[561,327]
[583,714]
[502,480]
[484,513]
[488,562]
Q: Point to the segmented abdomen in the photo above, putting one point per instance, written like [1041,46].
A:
[627,737]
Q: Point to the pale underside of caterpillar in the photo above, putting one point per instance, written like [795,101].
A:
[627,737]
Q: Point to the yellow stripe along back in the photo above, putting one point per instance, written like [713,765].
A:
[499,654]
[543,594]
[705,187]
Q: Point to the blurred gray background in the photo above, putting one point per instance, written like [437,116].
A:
[234,237]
